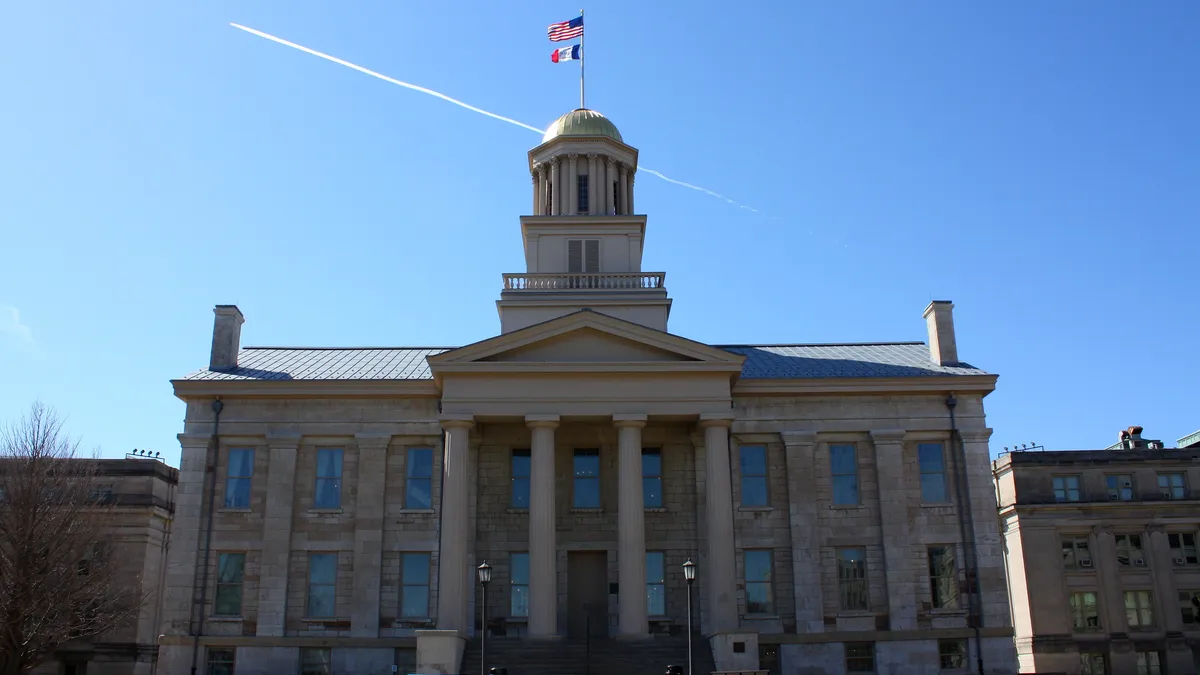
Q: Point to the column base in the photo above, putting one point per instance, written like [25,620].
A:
[440,652]
[735,651]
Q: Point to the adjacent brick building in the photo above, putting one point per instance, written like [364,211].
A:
[837,498]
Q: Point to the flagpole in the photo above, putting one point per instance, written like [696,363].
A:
[582,59]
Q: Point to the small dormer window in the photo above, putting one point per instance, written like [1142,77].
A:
[583,256]
[581,183]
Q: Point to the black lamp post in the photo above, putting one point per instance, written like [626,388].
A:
[689,573]
[485,576]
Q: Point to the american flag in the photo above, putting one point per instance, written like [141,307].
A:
[565,30]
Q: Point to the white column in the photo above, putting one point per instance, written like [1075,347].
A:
[536,189]
[610,177]
[593,184]
[276,537]
[622,193]
[721,575]
[573,184]
[631,528]
[454,576]
[543,543]
[368,534]
[632,176]
[554,188]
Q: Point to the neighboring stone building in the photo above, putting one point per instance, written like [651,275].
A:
[837,498]
[142,495]
[1102,558]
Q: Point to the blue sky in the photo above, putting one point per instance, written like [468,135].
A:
[1036,163]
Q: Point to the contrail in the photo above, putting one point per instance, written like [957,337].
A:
[464,104]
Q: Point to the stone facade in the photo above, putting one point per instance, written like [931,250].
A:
[1102,558]
[580,388]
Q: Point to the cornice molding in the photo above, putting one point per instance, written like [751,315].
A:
[866,385]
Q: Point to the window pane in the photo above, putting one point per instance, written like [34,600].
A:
[520,568]
[587,493]
[656,599]
[241,462]
[754,460]
[758,598]
[228,601]
[320,601]
[417,494]
[520,601]
[520,464]
[654,567]
[230,567]
[220,661]
[754,491]
[329,462]
[416,568]
[652,496]
[651,463]
[237,493]
[414,601]
[420,462]
[315,661]
[520,493]
[845,489]
[933,488]
[930,457]
[758,565]
[587,464]
[322,568]
[842,459]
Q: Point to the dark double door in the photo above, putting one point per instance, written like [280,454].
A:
[587,594]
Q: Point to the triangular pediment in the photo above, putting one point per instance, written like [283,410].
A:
[587,337]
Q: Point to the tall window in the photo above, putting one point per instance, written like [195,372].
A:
[322,584]
[852,578]
[1084,613]
[583,256]
[1148,664]
[1139,612]
[844,466]
[418,488]
[860,658]
[652,482]
[329,479]
[1120,487]
[237,478]
[1183,548]
[1189,606]
[1171,486]
[1129,550]
[231,568]
[753,460]
[1092,663]
[952,654]
[760,599]
[656,584]
[587,480]
[1066,488]
[933,473]
[1076,553]
[518,584]
[414,590]
[520,480]
[581,183]
[316,661]
[221,660]
[943,577]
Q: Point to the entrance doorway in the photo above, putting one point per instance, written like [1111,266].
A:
[587,594]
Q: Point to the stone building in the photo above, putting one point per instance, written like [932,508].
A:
[1102,560]
[836,498]
[141,493]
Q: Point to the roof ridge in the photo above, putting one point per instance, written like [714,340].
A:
[827,344]
[344,348]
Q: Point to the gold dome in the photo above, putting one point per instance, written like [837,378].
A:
[582,122]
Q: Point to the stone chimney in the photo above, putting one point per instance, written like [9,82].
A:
[227,337]
[939,318]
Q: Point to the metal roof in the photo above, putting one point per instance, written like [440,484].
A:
[905,359]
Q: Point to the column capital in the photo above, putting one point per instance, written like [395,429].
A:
[637,421]
[547,421]
[456,420]
[610,162]
[975,435]
[798,437]
[592,156]
[718,419]
[572,155]
[373,441]
[194,440]
[554,160]
[880,436]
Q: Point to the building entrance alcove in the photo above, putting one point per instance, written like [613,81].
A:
[587,594]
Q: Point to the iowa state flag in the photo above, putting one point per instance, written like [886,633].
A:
[572,53]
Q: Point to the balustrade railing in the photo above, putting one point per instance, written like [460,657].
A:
[604,282]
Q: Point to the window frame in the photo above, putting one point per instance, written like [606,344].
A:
[227,586]
[406,583]
[769,583]
[1144,665]
[655,478]
[336,480]
[244,483]
[959,652]
[1141,614]
[577,478]
[940,473]
[514,584]
[1067,489]
[852,582]
[1077,543]
[1189,605]
[1168,491]
[584,268]
[656,582]
[852,662]
[1087,663]
[582,193]
[1125,541]
[410,455]
[1180,552]
[325,667]
[745,476]
[950,581]
[1115,484]
[1078,604]
[310,584]
[519,483]
[851,478]
[210,665]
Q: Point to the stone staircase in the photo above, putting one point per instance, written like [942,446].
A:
[651,656]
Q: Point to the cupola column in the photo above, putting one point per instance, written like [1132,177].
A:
[623,191]
[593,193]
[610,177]
[632,176]
[553,187]
[543,179]
[573,184]
[537,189]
